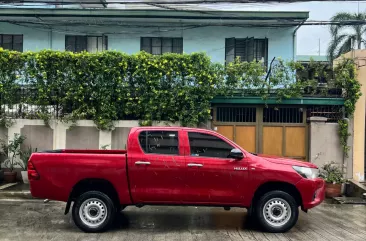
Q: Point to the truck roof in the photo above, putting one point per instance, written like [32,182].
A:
[167,128]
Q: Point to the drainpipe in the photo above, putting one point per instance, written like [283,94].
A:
[294,40]
[51,39]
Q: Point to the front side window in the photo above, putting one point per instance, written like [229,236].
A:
[159,142]
[158,46]
[92,44]
[207,145]
[11,42]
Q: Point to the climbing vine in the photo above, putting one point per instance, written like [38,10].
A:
[343,135]
[253,78]
[345,79]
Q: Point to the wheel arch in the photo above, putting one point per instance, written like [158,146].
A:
[92,184]
[280,186]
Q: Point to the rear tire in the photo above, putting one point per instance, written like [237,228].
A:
[93,211]
[276,211]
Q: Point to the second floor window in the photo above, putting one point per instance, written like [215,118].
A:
[91,44]
[158,46]
[248,49]
[11,42]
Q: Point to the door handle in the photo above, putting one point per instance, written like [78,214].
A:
[194,165]
[142,163]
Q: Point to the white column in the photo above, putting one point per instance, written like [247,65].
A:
[15,129]
[105,138]
[59,134]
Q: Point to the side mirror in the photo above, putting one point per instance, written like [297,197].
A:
[236,154]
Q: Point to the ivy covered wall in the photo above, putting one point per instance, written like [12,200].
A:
[110,85]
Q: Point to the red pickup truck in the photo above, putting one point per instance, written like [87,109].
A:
[175,166]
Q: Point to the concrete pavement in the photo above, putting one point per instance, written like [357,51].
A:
[35,220]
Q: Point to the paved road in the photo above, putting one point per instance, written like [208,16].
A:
[28,221]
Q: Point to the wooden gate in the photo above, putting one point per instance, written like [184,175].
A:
[272,131]
[243,135]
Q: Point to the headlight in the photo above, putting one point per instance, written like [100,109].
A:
[307,172]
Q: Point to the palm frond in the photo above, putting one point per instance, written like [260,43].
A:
[342,16]
[342,40]
[333,47]
[345,47]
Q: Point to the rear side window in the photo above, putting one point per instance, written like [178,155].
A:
[208,145]
[159,142]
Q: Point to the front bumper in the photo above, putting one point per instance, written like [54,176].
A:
[312,192]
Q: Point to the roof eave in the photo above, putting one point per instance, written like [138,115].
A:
[183,14]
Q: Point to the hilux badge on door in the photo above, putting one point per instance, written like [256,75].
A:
[240,168]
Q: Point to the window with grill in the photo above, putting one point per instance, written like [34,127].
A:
[158,46]
[236,114]
[11,42]
[283,115]
[91,44]
[332,113]
[248,49]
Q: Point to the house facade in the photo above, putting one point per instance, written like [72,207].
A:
[256,125]
[222,35]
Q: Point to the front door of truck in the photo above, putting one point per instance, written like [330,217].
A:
[213,177]
[156,167]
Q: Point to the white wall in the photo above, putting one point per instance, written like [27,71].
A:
[207,39]
[325,147]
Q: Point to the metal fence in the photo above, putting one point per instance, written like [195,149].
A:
[236,114]
[333,113]
[283,115]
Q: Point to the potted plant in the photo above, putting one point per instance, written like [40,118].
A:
[24,157]
[11,150]
[333,177]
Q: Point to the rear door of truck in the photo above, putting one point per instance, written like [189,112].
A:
[156,165]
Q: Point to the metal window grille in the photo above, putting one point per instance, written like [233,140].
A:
[248,49]
[91,44]
[11,42]
[236,114]
[333,113]
[283,115]
[158,46]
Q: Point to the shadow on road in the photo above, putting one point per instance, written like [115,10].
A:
[170,219]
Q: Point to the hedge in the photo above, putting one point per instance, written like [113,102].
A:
[110,85]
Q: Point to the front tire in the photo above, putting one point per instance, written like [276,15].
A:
[93,211]
[276,211]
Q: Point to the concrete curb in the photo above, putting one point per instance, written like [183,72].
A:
[20,201]
[349,200]
[16,195]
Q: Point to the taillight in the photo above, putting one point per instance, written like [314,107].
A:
[32,172]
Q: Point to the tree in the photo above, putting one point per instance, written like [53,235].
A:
[346,37]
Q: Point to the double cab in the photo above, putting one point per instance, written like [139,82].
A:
[175,166]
